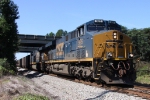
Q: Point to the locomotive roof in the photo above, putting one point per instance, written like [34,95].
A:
[92,21]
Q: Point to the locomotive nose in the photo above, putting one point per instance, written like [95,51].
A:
[104,45]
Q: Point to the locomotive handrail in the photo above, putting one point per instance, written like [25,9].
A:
[116,53]
[126,48]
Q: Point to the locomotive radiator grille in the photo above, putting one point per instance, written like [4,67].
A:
[83,53]
[78,53]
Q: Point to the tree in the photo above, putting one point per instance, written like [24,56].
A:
[50,34]
[60,33]
[9,33]
[140,39]
[124,29]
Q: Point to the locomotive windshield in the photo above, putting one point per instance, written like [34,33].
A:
[99,25]
[112,25]
[95,27]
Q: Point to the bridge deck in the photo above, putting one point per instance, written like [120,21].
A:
[28,43]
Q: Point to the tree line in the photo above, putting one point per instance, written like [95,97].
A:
[59,33]
[141,41]
[8,32]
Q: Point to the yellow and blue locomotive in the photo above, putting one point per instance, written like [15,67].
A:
[95,50]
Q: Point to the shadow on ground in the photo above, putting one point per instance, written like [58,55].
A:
[29,73]
[140,84]
[99,97]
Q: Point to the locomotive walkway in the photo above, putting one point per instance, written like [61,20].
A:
[29,43]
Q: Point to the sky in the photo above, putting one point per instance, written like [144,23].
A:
[39,17]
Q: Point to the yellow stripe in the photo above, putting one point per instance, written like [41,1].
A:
[117,59]
[73,60]
[33,63]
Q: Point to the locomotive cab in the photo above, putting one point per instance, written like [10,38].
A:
[113,58]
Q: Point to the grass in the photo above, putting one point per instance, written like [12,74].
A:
[4,68]
[143,76]
[144,79]
[29,96]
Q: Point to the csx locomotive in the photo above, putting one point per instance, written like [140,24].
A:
[96,50]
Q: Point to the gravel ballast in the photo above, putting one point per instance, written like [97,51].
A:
[68,90]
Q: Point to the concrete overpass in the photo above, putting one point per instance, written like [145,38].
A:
[29,43]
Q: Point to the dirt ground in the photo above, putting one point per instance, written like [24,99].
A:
[13,86]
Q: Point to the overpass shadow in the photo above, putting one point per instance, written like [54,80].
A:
[29,73]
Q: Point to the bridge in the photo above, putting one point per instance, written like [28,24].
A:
[29,43]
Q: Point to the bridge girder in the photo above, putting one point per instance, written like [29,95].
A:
[29,43]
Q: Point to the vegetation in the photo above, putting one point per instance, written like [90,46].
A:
[8,32]
[59,33]
[5,69]
[141,41]
[144,79]
[50,34]
[29,96]
[143,72]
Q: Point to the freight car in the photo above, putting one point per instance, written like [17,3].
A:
[95,50]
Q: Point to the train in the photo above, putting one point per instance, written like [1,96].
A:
[96,50]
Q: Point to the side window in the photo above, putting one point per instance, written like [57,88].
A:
[76,33]
[67,38]
[73,34]
[80,31]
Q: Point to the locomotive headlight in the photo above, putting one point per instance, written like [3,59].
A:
[109,54]
[114,35]
[131,55]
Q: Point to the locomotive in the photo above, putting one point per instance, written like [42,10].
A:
[96,50]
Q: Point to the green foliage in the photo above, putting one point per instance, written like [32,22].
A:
[59,33]
[144,79]
[8,31]
[31,97]
[124,29]
[141,41]
[50,34]
[143,73]
[5,68]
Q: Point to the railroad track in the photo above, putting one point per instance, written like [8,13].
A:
[137,90]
